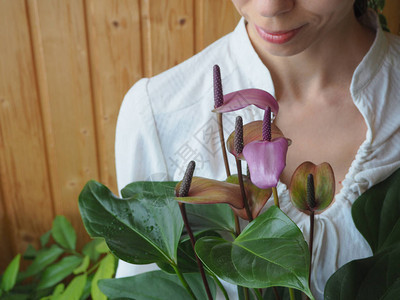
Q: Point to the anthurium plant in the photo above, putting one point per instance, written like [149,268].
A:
[201,231]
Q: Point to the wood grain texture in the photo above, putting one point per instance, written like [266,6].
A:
[213,20]
[392,14]
[27,210]
[167,28]
[60,47]
[115,63]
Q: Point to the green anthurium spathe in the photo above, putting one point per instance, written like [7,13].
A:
[324,185]
[209,191]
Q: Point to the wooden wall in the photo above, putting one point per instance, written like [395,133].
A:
[65,66]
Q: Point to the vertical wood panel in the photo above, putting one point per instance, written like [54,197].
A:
[64,82]
[116,63]
[392,13]
[213,20]
[24,177]
[167,28]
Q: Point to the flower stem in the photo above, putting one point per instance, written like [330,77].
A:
[222,288]
[242,190]
[291,294]
[184,282]
[193,242]
[311,243]
[276,198]
[222,141]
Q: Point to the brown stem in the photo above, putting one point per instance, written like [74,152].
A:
[193,242]
[222,141]
[276,293]
[311,244]
[242,190]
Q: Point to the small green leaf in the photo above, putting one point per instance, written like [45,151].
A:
[102,247]
[75,289]
[106,270]
[375,277]
[43,258]
[63,233]
[84,265]
[376,213]
[155,285]
[57,272]
[44,239]
[90,249]
[245,260]
[86,291]
[30,252]
[9,277]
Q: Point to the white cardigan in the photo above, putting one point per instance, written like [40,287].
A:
[166,121]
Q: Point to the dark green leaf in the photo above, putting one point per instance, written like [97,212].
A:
[142,229]
[105,271]
[44,239]
[252,260]
[63,233]
[87,289]
[142,287]
[376,213]
[215,217]
[372,278]
[9,277]
[57,272]
[43,258]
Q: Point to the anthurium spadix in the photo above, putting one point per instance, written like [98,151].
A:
[324,187]
[266,158]
[243,98]
[209,191]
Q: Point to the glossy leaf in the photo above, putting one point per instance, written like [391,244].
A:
[266,161]
[372,278]
[57,272]
[251,132]
[63,233]
[242,98]
[44,258]
[142,287]
[74,289]
[141,229]
[106,270]
[376,213]
[9,277]
[324,184]
[252,259]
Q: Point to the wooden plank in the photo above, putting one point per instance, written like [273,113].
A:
[392,14]
[214,19]
[60,47]
[116,63]
[167,28]
[26,196]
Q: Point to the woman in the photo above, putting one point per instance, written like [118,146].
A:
[335,74]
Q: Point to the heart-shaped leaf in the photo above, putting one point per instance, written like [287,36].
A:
[372,278]
[376,213]
[141,229]
[324,186]
[271,251]
[155,285]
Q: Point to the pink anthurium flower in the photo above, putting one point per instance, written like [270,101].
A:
[209,191]
[242,98]
[324,186]
[266,158]
[251,132]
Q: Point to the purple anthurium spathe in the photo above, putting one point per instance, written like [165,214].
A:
[209,191]
[242,98]
[324,186]
[266,158]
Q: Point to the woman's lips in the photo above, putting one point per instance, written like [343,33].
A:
[278,37]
